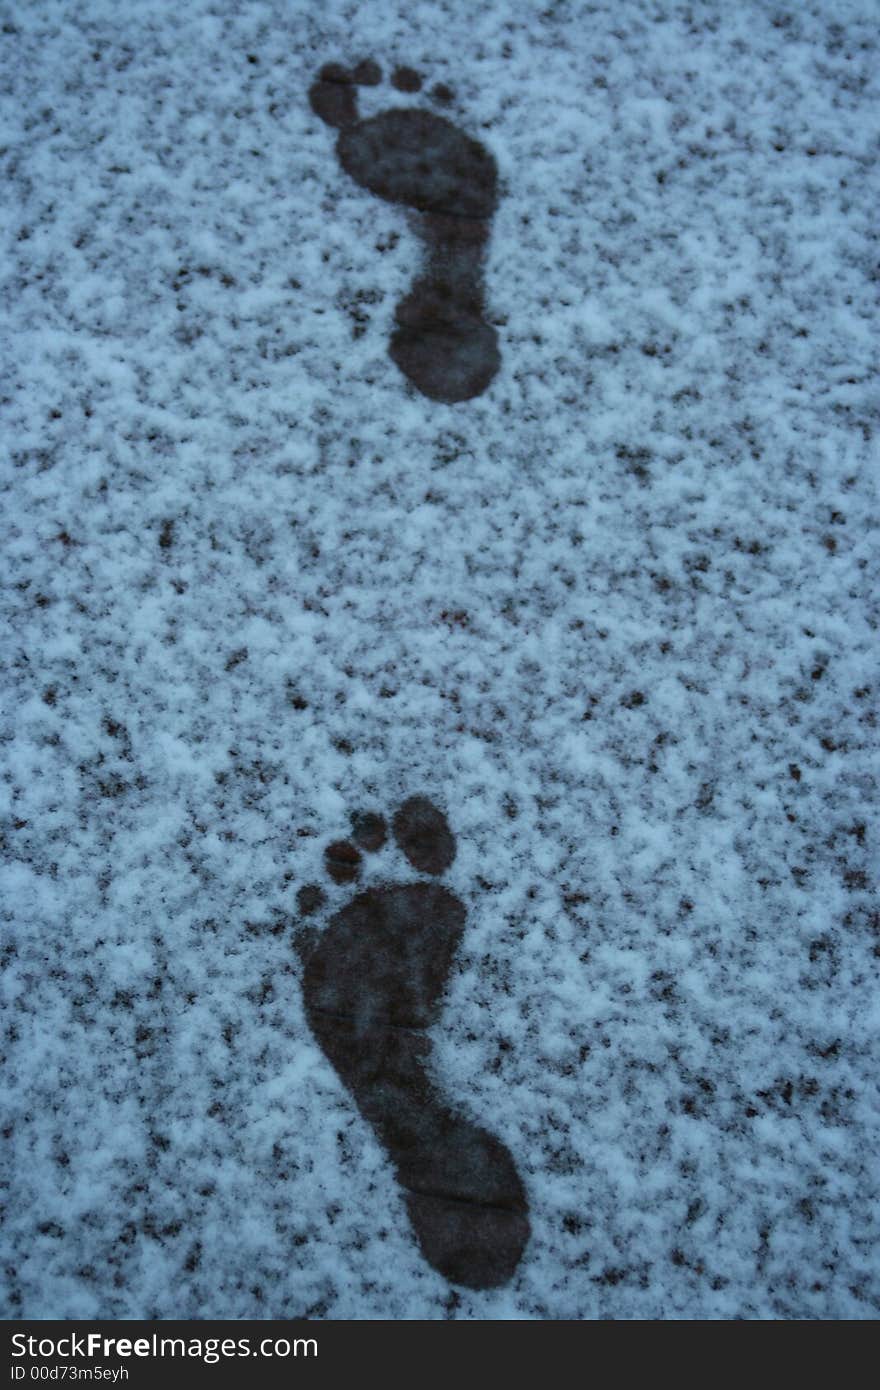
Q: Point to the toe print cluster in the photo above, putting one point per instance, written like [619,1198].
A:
[334,99]
[410,156]
[420,830]
[373,983]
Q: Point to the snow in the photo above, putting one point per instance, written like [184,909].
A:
[617,616]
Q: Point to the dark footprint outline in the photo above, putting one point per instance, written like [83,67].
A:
[442,342]
[373,983]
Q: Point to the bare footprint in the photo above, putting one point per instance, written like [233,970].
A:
[373,983]
[442,342]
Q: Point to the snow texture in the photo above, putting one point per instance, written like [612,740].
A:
[617,616]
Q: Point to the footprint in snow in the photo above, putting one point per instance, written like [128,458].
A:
[441,341]
[373,983]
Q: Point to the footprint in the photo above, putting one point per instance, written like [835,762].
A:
[442,341]
[373,983]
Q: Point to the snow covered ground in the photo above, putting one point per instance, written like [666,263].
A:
[617,616]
